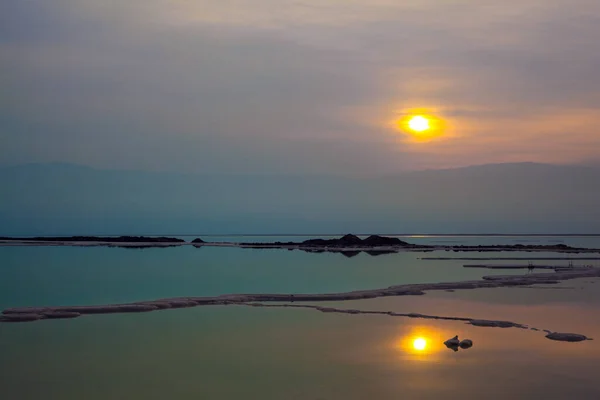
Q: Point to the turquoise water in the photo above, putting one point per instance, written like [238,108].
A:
[233,352]
[34,276]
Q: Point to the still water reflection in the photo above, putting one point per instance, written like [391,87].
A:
[233,352]
[240,352]
[422,342]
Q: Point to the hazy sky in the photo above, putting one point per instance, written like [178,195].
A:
[307,86]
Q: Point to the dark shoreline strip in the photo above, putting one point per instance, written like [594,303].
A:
[374,244]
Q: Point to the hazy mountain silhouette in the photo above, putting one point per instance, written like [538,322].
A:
[73,199]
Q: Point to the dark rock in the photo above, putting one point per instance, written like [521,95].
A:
[344,241]
[350,240]
[354,241]
[376,240]
[198,240]
[452,341]
[453,347]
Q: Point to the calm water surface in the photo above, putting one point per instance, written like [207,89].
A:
[91,275]
[234,351]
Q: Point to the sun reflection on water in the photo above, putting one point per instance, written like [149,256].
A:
[422,343]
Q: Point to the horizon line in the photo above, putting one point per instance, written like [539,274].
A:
[319,234]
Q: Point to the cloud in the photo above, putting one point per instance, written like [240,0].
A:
[304,87]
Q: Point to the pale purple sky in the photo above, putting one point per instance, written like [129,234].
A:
[303,87]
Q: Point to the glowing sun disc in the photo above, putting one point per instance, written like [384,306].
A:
[420,344]
[418,123]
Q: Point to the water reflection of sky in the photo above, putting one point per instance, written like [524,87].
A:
[230,352]
[33,276]
[227,352]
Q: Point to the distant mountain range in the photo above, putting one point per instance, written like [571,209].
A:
[55,199]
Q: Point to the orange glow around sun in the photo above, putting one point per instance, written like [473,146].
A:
[421,126]
[422,343]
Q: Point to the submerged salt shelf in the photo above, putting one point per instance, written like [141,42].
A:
[564,337]
[524,266]
[28,314]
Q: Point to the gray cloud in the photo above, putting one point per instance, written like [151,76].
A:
[203,87]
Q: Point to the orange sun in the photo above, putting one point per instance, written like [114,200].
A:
[420,126]
[418,123]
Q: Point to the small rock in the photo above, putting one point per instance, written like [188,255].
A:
[452,347]
[452,342]
[466,344]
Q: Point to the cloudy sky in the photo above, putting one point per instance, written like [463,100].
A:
[302,87]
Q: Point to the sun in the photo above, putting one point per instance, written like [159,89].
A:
[418,123]
[420,344]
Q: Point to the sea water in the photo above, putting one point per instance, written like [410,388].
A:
[229,352]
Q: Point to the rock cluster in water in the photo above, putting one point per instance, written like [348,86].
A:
[455,343]
[452,342]
[348,241]
[347,245]
[354,241]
